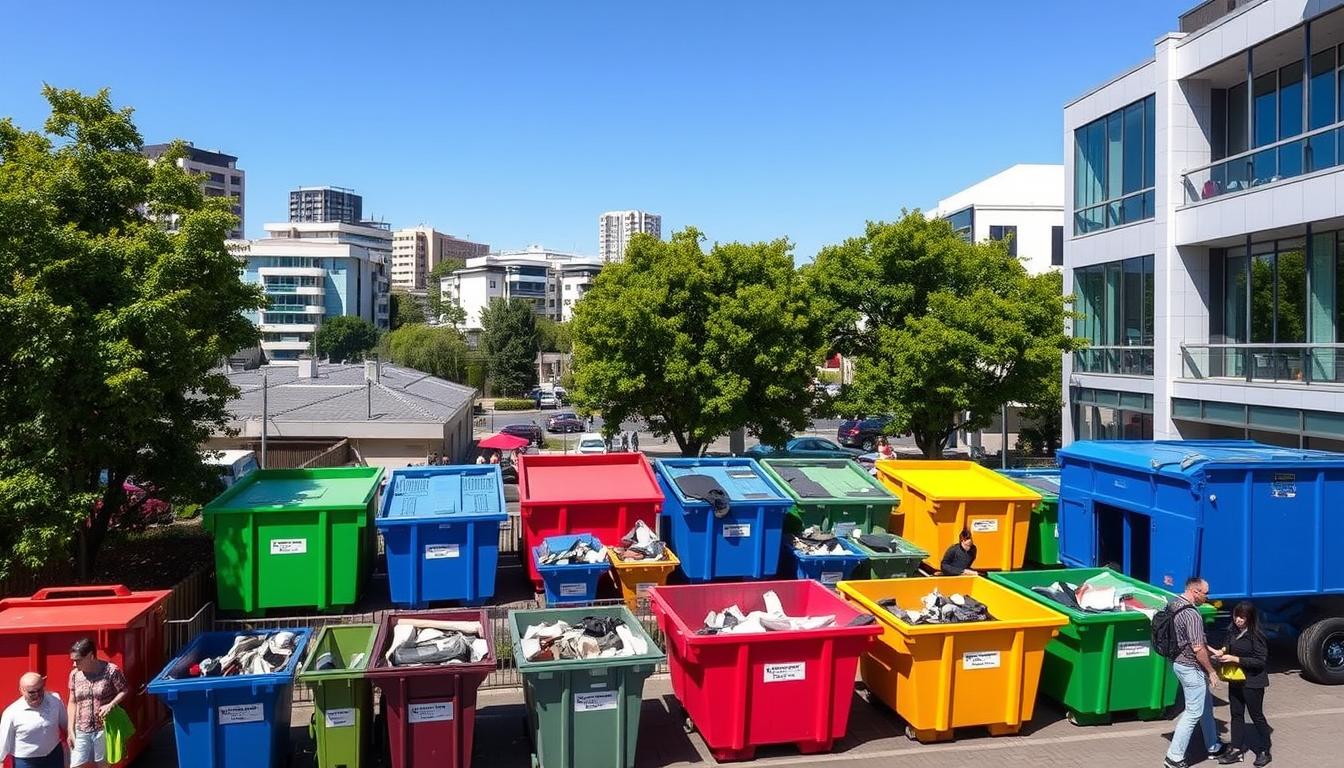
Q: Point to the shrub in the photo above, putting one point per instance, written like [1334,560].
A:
[514,404]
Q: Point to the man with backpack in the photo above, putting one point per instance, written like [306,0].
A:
[1178,634]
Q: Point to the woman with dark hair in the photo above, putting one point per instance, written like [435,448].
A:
[1244,660]
[96,686]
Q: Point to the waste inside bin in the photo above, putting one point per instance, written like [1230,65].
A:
[1102,661]
[724,517]
[235,720]
[583,712]
[429,665]
[744,688]
[957,674]
[825,557]
[835,494]
[570,567]
[886,556]
[1043,535]
[294,538]
[126,627]
[342,698]
[602,494]
[642,561]
[940,499]
[440,527]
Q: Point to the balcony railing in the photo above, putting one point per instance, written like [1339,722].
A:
[1289,363]
[1123,361]
[1313,151]
[1206,13]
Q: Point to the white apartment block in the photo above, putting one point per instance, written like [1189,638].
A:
[615,228]
[416,251]
[551,281]
[312,271]
[220,177]
[1205,243]
[1023,205]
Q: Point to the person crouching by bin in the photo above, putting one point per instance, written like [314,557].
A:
[96,687]
[34,726]
[959,557]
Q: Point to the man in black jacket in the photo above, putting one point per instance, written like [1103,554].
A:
[959,557]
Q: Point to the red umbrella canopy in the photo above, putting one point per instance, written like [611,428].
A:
[503,442]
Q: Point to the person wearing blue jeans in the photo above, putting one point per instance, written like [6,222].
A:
[1195,672]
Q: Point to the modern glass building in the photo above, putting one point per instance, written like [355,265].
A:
[1206,244]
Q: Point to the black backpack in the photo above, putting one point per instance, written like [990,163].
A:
[1164,630]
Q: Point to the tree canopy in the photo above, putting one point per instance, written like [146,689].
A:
[346,339]
[111,328]
[509,340]
[696,343]
[555,336]
[943,332]
[437,350]
[404,309]
[434,296]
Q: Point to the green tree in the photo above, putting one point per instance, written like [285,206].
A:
[346,339]
[555,336]
[404,309]
[438,350]
[697,343]
[943,332]
[1043,414]
[434,295]
[110,327]
[509,340]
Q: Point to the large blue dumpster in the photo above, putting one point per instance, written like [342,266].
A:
[440,528]
[1256,521]
[241,721]
[740,541]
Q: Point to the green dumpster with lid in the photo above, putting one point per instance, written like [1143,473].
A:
[836,495]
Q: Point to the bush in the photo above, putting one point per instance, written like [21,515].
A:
[514,404]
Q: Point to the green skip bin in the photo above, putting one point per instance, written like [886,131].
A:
[835,494]
[342,699]
[1101,663]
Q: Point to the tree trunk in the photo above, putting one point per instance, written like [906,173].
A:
[94,533]
[931,444]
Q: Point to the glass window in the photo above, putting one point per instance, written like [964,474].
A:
[1266,112]
[1290,100]
[1115,147]
[963,222]
[1236,119]
[1113,159]
[1262,297]
[1056,246]
[1133,171]
[1009,233]
[1149,142]
[1321,110]
[1291,293]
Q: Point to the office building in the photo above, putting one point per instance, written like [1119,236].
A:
[1023,205]
[311,272]
[416,251]
[1205,243]
[551,281]
[325,204]
[221,177]
[615,228]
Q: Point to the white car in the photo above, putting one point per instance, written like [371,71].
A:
[591,442]
[549,400]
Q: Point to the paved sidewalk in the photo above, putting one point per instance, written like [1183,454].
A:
[1306,718]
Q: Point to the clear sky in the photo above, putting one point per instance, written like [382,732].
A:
[520,122]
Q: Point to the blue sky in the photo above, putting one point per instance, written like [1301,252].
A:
[520,122]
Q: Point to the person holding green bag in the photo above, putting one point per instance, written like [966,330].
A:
[1243,667]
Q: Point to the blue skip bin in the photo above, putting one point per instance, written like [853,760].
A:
[241,721]
[440,528]
[573,583]
[828,569]
[714,542]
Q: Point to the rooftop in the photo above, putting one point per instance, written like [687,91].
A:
[339,394]
[1025,185]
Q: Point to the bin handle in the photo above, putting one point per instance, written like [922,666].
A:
[64,593]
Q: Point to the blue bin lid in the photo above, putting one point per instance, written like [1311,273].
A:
[457,492]
[1192,457]
[741,478]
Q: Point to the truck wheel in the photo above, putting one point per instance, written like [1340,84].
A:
[1320,651]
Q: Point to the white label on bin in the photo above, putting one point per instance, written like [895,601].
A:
[241,713]
[980,660]
[442,551]
[1136,649]
[431,712]
[642,588]
[595,702]
[289,546]
[340,718]
[573,590]
[831,577]
[782,673]
[984,526]
[737,531]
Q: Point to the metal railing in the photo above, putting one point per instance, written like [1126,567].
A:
[1208,12]
[1121,360]
[1287,158]
[1290,363]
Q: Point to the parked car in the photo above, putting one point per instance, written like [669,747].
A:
[530,432]
[565,421]
[548,400]
[803,448]
[232,465]
[591,442]
[862,433]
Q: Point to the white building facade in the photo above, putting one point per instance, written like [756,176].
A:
[1023,204]
[1205,242]
[615,228]
[551,281]
[313,271]
[416,251]
[220,177]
